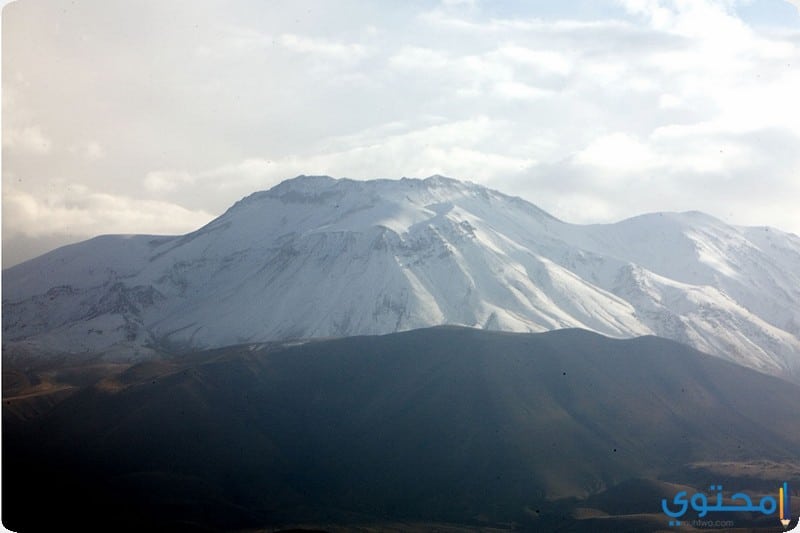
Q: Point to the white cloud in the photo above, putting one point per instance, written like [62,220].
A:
[582,208]
[326,49]
[461,148]
[607,72]
[660,16]
[413,57]
[161,181]
[669,101]
[548,60]
[519,91]
[443,20]
[82,211]
[28,139]
[94,150]
[618,152]
[795,3]
[91,150]
[456,3]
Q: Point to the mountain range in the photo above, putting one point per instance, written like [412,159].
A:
[317,257]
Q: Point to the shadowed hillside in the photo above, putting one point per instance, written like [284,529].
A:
[444,425]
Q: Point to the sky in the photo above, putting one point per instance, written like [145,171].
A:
[156,116]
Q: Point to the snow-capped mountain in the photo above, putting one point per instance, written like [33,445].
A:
[317,257]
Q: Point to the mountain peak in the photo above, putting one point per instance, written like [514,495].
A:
[316,256]
[326,190]
[441,181]
[304,181]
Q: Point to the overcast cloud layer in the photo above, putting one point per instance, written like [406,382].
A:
[154,117]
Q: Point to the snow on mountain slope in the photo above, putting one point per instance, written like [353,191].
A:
[317,257]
